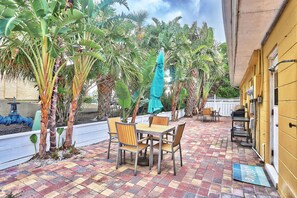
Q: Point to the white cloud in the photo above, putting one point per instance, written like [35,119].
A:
[152,6]
[195,5]
[171,15]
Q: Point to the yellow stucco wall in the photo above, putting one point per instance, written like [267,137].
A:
[284,38]
[19,88]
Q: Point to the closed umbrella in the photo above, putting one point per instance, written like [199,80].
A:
[156,90]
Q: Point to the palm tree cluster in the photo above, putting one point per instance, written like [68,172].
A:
[66,49]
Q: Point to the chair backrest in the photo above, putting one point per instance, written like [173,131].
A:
[206,111]
[179,134]
[36,122]
[111,124]
[127,133]
[159,120]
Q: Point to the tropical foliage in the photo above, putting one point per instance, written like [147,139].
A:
[67,50]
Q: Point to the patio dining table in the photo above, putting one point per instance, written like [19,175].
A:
[154,130]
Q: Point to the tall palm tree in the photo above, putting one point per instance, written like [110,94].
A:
[40,22]
[88,53]
[143,84]
[139,18]
[199,61]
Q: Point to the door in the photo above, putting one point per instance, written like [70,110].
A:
[274,114]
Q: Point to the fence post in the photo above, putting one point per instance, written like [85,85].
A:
[215,102]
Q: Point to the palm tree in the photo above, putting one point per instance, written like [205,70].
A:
[144,83]
[40,26]
[119,52]
[199,61]
[139,18]
[88,53]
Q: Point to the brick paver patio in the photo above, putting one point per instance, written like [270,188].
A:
[208,155]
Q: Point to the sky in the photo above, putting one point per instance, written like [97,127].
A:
[209,11]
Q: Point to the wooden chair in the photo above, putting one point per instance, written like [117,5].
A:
[207,113]
[199,114]
[113,138]
[158,120]
[173,146]
[128,141]
[216,115]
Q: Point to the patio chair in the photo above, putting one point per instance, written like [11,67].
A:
[216,115]
[112,132]
[158,120]
[128,141]
[199,114]
[173,146]
[207,113]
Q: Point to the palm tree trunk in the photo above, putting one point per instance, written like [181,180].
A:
[135,110]
[176,91]
[53,110]
[43,129]
[104,97]
[69,132]
[191,88]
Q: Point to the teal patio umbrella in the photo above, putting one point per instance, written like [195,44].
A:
[156,90]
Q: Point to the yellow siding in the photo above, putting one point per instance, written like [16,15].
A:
[284,37]
[285,157]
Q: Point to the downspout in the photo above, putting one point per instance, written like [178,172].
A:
[235,33]
[261,63]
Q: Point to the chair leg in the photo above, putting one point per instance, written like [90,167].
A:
[108,148]
[131,156]
[145,149]
[136,160]
[124,156]
[180,153]
[117,159]
[174,170]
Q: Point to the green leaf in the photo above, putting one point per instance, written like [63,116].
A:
[90,7]
[33,138]
[123,94]
[90,44]
[6,12]
[72,17]
[40,7]
[93,54]
[9,4]
[95,30]
[7,25]
[60,131]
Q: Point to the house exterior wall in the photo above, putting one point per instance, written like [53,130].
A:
[284,38]
[19,88]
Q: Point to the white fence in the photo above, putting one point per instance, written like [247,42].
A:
[17,148]
[225,105]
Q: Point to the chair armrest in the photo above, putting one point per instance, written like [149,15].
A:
[143,139]
[172,134]
[165,140]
